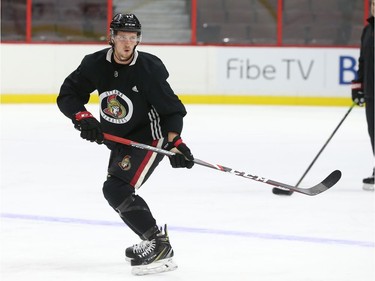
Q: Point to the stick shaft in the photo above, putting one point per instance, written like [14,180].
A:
[326,143]
[326,184]
[137,144]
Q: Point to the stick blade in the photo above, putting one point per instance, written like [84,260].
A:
[332,179]
[326,184]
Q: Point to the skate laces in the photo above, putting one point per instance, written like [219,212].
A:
[138,248]
[148,248]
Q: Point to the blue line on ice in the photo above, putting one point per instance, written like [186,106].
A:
[269,236]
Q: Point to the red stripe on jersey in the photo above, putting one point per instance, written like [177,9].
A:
[143,165]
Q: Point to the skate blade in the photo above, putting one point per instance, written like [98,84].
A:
[164,265]
[368,187]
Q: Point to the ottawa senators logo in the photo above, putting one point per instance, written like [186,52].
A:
[125,163]
[114,108]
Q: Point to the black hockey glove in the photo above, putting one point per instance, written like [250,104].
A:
[90,128]
[357,93]
[183,158]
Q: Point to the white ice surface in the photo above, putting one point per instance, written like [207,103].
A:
[56,224]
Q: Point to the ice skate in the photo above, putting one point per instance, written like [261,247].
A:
[368,183]
[132,251]
[154,256]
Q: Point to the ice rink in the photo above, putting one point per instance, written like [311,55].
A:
[56,224]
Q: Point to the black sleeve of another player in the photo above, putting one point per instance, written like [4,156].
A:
[360,72]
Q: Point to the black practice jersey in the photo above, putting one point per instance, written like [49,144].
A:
[135,100]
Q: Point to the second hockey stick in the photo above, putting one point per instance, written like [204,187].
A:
[279,191]
[327,183]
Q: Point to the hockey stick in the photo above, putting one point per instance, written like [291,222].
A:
[278,191]
[327,183]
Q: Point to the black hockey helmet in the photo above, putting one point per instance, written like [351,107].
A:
[125,22]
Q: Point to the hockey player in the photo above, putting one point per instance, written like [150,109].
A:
[136,102]
[363,86]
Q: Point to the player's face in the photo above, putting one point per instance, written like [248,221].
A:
[124,44]
[373,7]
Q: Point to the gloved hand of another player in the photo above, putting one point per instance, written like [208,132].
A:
[357,93]
[183,157]
[90,128]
